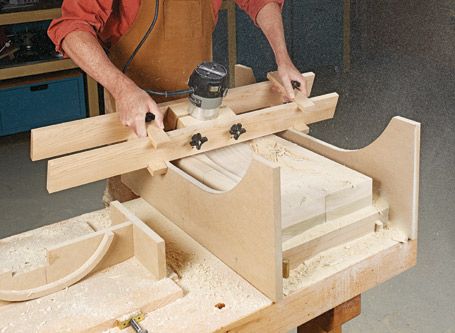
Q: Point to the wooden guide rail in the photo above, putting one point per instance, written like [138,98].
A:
[161,147]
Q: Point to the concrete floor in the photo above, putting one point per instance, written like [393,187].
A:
[390,82]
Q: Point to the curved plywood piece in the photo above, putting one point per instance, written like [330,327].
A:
[392,161]
[247,238]
[16,295]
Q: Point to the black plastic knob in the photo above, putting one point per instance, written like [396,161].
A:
[197,140]
[236,131]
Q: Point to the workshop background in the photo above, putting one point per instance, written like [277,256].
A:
[401,62]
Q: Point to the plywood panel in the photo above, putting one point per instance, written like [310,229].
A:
[226,223]
[392,161]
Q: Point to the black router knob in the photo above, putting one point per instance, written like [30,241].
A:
[197,140]
[236,131]
[149,117]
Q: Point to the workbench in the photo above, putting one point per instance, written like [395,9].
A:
[216,299]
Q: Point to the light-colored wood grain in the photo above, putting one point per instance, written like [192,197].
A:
[392,160]
[243,76]
[301,99]
[331,234]
[157,168]
[30,16]
[103,130]
[157,136]
[332,320]
[93,97]
[314,189]
[149,247]
[77,135]
[37,68]
[65,281]
[325,294]
[207,281]
[102,163]
[211,219]
[121,248]
[94,304]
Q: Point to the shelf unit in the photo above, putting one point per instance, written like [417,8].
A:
[42,67]
[29,16]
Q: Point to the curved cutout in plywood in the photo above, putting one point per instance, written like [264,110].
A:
[392,160]
[14,295]
[246,237]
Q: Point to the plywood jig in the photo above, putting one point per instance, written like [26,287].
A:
[275,197]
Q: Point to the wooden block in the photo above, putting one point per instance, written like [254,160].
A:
[243,76]
[301,126]
[392,161]
[149,247]
[301,99]
[157,168]
[101,163]
[227,223]
[341,314]
[157,136]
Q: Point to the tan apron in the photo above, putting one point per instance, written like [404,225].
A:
[181,39]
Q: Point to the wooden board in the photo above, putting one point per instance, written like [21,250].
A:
[101,163]
[149,247]
[392,161]
[102,130]
[227,224]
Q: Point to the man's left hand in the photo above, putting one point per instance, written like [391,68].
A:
[288,73]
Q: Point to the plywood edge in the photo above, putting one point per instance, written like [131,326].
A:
[230,234]
[320,296]
[149,247]
[331,234]
[392,160]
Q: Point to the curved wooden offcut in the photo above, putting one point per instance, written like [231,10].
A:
[64,282]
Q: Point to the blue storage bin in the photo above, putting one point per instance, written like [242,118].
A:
[46,101]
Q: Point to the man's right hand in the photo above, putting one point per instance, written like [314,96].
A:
[132,105]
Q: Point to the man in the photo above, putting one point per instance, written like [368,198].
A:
[180,40]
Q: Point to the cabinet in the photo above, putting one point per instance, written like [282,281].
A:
[37,68]
[40,101]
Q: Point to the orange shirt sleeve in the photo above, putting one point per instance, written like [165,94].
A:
[253,7]
[79,15]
